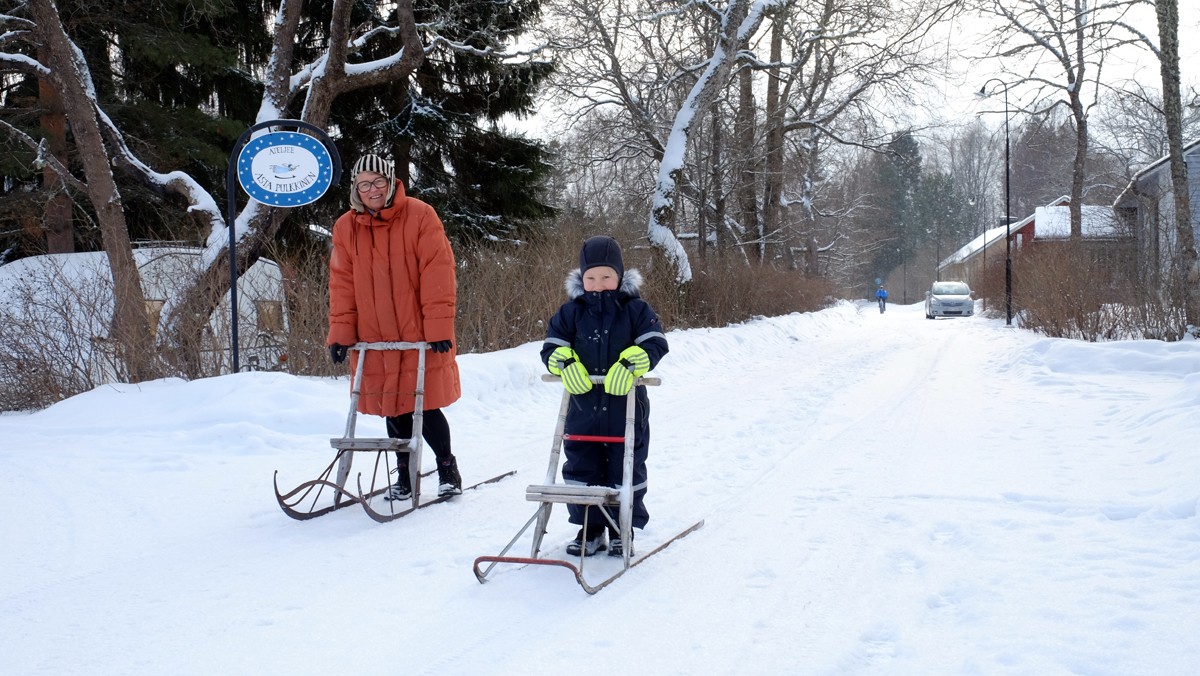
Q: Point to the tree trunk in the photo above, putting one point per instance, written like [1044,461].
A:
[718,188]
[1186,264]
[1075,94]
[772,223]
[808,198]
[130,328]
[1077,169]
[747,193]
[60,236]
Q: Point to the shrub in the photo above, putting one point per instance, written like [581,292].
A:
[506,293]
[1070,290]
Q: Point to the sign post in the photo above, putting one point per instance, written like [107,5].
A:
[277,169]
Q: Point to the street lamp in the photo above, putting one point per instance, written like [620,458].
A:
[982,93]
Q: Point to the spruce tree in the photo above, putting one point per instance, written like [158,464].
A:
[444,130]
[897,180]
[174,76]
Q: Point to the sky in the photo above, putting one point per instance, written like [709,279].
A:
[881,494]
[966,40]
[963,43]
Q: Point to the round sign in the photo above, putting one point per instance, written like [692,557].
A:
[285,169]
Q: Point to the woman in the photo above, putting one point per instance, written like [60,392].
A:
[391,278]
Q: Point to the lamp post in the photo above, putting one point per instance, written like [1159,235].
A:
[1007,206]
[937,262]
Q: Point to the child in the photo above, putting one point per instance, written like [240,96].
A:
[604,329]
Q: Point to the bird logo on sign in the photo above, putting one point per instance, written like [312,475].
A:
[284,170]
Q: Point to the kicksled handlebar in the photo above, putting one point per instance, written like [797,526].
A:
[599,380]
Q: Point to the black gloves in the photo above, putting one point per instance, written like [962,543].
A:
[337,353]
[440,346]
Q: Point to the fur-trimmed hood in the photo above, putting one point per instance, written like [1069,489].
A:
[631,284]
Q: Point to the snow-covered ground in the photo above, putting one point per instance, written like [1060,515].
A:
[882,494]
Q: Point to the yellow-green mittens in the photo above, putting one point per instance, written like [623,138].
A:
[565,363]
[636,359]
[633,362]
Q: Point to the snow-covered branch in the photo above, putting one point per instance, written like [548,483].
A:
[44,156]
[22,63]
[740,19]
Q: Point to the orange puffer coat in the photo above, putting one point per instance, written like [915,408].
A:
[391,278]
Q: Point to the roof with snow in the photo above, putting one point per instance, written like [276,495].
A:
[1141,181]
[1051,222]
[975,246]
[1054,222]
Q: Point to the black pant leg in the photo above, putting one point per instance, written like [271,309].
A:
[435,429]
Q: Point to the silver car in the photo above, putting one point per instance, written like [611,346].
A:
[949,299]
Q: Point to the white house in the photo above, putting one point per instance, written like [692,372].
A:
[64,301]
[1147,208]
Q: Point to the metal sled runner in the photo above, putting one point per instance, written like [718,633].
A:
[328,492]
[549,493]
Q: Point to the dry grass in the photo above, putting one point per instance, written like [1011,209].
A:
[507,292]
[49,349]
[306,291]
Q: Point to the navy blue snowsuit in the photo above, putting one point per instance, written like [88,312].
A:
[598,325]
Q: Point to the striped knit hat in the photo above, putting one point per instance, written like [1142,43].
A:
[377,165]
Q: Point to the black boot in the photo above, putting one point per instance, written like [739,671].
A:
[449,480]
[616,546]
[587,542]
[402,489]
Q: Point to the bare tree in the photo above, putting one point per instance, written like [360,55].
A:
[619,63]
[830,67]
[1130,124]
[64,67]
[738,22]
[975,169]
[748,161]
[313,87]
[1057,49]
[850,218]
[823,64]
[630,65]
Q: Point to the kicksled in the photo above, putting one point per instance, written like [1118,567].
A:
[548,494]
[329,492]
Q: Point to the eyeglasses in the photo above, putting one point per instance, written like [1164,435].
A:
[364,186]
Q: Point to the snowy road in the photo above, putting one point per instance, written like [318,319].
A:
[883,494]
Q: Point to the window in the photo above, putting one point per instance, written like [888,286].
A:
[153,314]
[269,315]
[950,289]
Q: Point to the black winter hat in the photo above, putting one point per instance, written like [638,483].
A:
[601,250]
